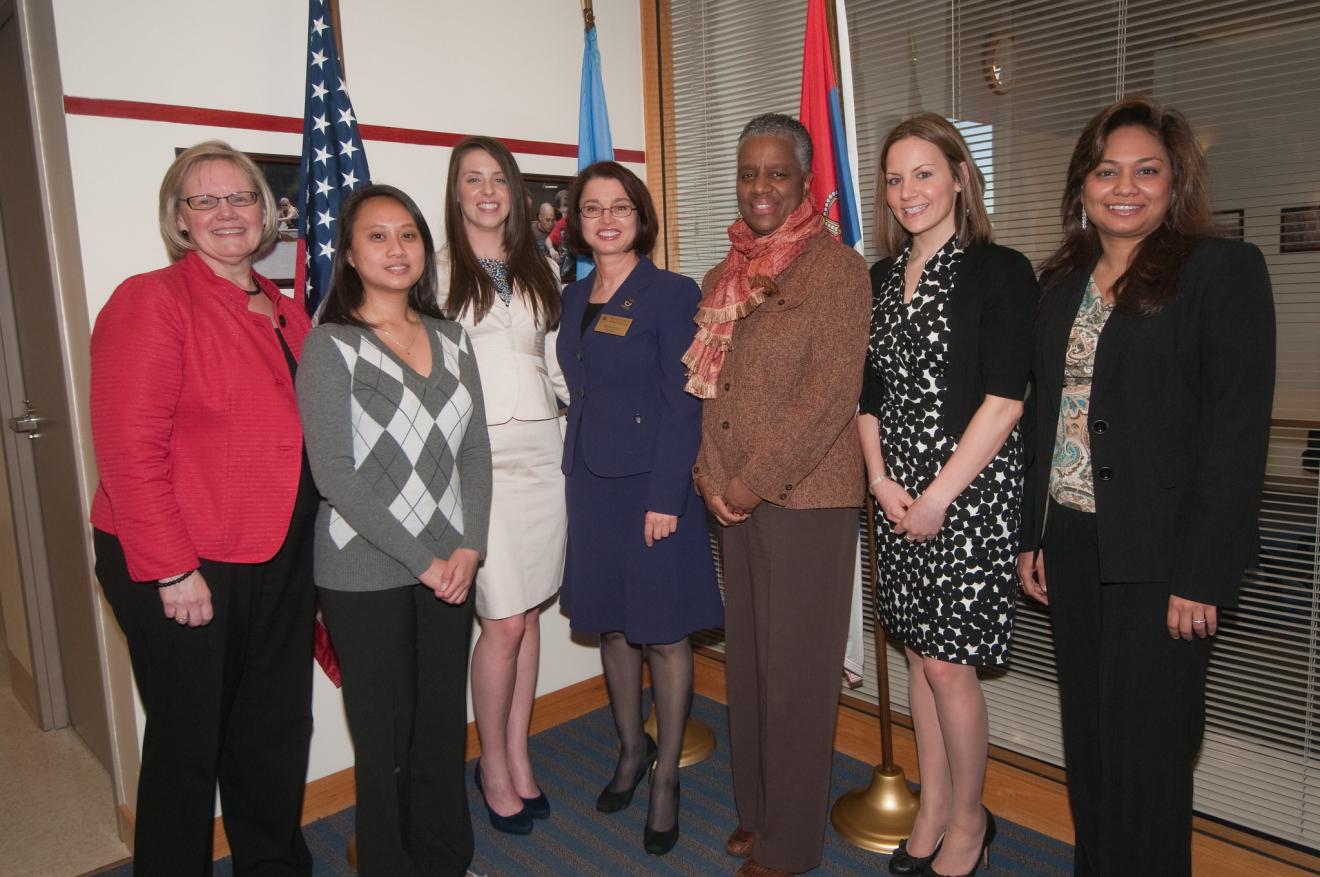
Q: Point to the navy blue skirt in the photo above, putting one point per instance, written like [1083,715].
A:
[613,582]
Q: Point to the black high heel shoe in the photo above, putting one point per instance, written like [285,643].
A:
[538,807]
[517,823]
[903,863]
[657,843]
[984,859]
[610,801]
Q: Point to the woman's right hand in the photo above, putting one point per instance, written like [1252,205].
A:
[1031,573]
[189,601]
[892,498]
[434,576]
[716,504]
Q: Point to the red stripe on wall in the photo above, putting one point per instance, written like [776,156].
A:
[152,112]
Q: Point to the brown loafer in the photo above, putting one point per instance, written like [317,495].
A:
[740,843]
[752,868]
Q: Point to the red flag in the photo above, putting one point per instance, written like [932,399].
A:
[821,111]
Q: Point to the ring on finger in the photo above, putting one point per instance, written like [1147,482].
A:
[1198,621]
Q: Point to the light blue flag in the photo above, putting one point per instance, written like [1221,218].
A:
[594,143]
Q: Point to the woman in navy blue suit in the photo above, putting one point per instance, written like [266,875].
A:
[639,571]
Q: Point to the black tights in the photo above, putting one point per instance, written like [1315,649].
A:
[671,689]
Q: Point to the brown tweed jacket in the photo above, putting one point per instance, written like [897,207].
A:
[786,398]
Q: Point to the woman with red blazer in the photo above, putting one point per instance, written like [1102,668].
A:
[203,524]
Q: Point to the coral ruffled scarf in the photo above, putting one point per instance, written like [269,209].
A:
[747,279]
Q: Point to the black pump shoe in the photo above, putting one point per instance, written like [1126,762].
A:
[983,859]
[610,801]
[657,843]
[902,862]
[538,807]
[518,823]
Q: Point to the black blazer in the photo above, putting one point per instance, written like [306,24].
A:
[991,307]
[1179,421]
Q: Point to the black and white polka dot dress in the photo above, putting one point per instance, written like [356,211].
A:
[951,598]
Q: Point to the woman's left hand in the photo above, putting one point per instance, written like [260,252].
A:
[658,526]
[459,572]
[1188,618]
[922,520]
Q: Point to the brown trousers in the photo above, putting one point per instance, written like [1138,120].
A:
[788,577]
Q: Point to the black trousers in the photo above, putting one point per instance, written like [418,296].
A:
[1133,705]
[788,576]
[230,701]
[403,654]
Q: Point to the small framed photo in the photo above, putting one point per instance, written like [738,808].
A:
[281,172]
[544,200]
[1231,224]
[1299,230]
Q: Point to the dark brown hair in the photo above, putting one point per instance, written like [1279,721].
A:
[346,293]
[634,188]
[1150,282]
[469,284]
[970,217]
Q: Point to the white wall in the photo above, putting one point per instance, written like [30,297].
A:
[507,68]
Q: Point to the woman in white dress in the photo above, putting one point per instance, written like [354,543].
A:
[506,295]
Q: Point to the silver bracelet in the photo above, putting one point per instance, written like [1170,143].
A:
[881,477]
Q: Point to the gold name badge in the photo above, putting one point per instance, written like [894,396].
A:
[612,325]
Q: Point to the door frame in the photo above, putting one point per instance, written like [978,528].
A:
[35,24]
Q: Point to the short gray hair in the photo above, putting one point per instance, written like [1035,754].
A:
[787,127]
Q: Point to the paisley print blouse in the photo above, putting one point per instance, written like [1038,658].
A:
[1071,482]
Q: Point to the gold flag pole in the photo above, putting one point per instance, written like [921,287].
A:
[588,15]
[878,817]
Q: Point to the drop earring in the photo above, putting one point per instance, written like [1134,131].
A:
[1084,220]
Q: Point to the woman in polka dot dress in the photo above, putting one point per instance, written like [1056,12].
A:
[946,374]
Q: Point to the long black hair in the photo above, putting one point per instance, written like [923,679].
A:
[345,296]
[469,284]
[1151,281]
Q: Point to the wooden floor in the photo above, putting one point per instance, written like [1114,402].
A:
[1021,795]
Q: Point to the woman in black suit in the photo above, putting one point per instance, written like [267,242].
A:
[1154,375]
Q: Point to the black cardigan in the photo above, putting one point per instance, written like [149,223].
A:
[1179,419]
[991,309]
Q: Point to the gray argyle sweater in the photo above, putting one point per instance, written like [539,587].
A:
[402,461]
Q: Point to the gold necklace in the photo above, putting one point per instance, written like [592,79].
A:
[407,348]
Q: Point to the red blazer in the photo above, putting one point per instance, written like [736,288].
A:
[194,420]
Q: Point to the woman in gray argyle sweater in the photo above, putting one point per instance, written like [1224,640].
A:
[396,436]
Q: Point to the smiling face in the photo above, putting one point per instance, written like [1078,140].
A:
[226,237]
[771,182]
[1128,194]
[386,248]
[921,189]
[483,191]
[607,234]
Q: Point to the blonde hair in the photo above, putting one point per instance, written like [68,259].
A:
[177,244]
[972,221]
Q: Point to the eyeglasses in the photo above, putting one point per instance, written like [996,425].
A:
[595,211]
[210,202]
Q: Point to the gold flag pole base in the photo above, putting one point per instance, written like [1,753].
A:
[878,817]
[698,740]
[351,853]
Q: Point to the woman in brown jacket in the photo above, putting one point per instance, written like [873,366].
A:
[778,358]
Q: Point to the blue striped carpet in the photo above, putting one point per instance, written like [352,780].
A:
[575,759]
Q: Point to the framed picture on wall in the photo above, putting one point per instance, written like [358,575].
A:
[1299,230]
[543,189]
[1231,224]
[281,172]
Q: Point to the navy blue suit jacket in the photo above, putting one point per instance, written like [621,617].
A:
[627,407]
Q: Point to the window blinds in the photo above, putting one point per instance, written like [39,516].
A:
[1021,79]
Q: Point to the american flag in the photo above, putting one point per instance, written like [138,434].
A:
[333,161]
